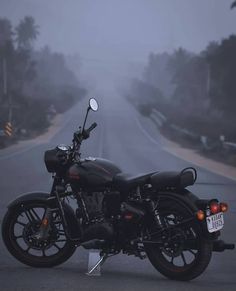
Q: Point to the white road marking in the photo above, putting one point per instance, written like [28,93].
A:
[146,133]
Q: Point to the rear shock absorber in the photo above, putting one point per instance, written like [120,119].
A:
[152,208]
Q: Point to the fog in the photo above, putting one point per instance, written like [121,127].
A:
[113,38]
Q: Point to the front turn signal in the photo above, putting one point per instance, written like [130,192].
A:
[45,222]
[200,215]
[224,207]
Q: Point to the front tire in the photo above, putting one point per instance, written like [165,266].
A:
[184,253]
[19,227]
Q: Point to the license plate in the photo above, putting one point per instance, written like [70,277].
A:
[215,222]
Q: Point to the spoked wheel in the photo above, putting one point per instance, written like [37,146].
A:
[21,229]
[181,252]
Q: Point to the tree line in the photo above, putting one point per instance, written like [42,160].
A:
[32,81]
[195,91]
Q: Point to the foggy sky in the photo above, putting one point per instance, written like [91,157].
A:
[124,30]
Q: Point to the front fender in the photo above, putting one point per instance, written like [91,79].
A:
[23,199]
[27,198]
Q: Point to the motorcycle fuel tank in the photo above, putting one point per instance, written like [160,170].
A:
[92,173]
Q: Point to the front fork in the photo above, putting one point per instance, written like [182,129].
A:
[56,205]
[53,207]
[45,225]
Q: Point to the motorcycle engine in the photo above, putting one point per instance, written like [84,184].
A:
[100,226]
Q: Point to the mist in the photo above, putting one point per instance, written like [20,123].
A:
[114,38]
[140,170]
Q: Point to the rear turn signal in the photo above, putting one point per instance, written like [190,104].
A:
[224,207]
[200,215]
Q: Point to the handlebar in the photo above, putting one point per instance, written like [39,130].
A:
[80,136]
[91,127]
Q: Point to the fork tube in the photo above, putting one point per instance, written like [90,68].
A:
[56,182]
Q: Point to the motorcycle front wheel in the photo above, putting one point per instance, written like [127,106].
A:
[182,253]
[20,229]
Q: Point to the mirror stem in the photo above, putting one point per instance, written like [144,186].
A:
[85,118]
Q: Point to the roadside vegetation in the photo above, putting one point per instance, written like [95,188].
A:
[34,84]
[196,93]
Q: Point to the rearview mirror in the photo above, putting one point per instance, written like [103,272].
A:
[93,104]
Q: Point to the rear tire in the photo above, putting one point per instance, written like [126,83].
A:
[178,260]
[17,233]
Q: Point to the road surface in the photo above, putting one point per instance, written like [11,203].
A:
[135,145]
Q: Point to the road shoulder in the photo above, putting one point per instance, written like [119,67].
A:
[25,145]
[186,154]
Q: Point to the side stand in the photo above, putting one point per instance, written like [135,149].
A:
[94,263]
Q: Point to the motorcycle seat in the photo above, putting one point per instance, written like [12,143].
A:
[125,181]
[173,179]
[158,180]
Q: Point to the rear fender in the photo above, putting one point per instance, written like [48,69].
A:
[193,204]
[25,199]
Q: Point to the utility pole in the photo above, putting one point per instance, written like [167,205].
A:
[8,130]
[208,85]
[4,69]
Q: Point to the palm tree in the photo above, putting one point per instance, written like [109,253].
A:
[26,32]
[5,31]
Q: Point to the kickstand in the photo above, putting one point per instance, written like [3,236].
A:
[95,261]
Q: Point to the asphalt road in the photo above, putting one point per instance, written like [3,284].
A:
[135,145]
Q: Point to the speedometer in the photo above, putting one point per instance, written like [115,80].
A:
[63,147]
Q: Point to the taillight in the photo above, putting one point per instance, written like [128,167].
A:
[215,207]
[223,207]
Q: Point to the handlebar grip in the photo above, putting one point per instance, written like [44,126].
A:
[92,127]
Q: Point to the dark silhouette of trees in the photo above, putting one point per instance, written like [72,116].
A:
[5,32]
[222,62]
[26,32]
[35,80]
[156,73]
[233,5]
[203,88]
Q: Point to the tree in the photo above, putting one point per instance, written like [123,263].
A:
[233,5]
[6,40]
[5,31]
[26,33]
[157,74]
[223,71]
[6,55]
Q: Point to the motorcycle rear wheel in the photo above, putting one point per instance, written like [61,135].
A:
[176,258]
[19,227]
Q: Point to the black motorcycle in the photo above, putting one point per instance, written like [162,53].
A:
[151,215]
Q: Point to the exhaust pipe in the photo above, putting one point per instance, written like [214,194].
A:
[220,246]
